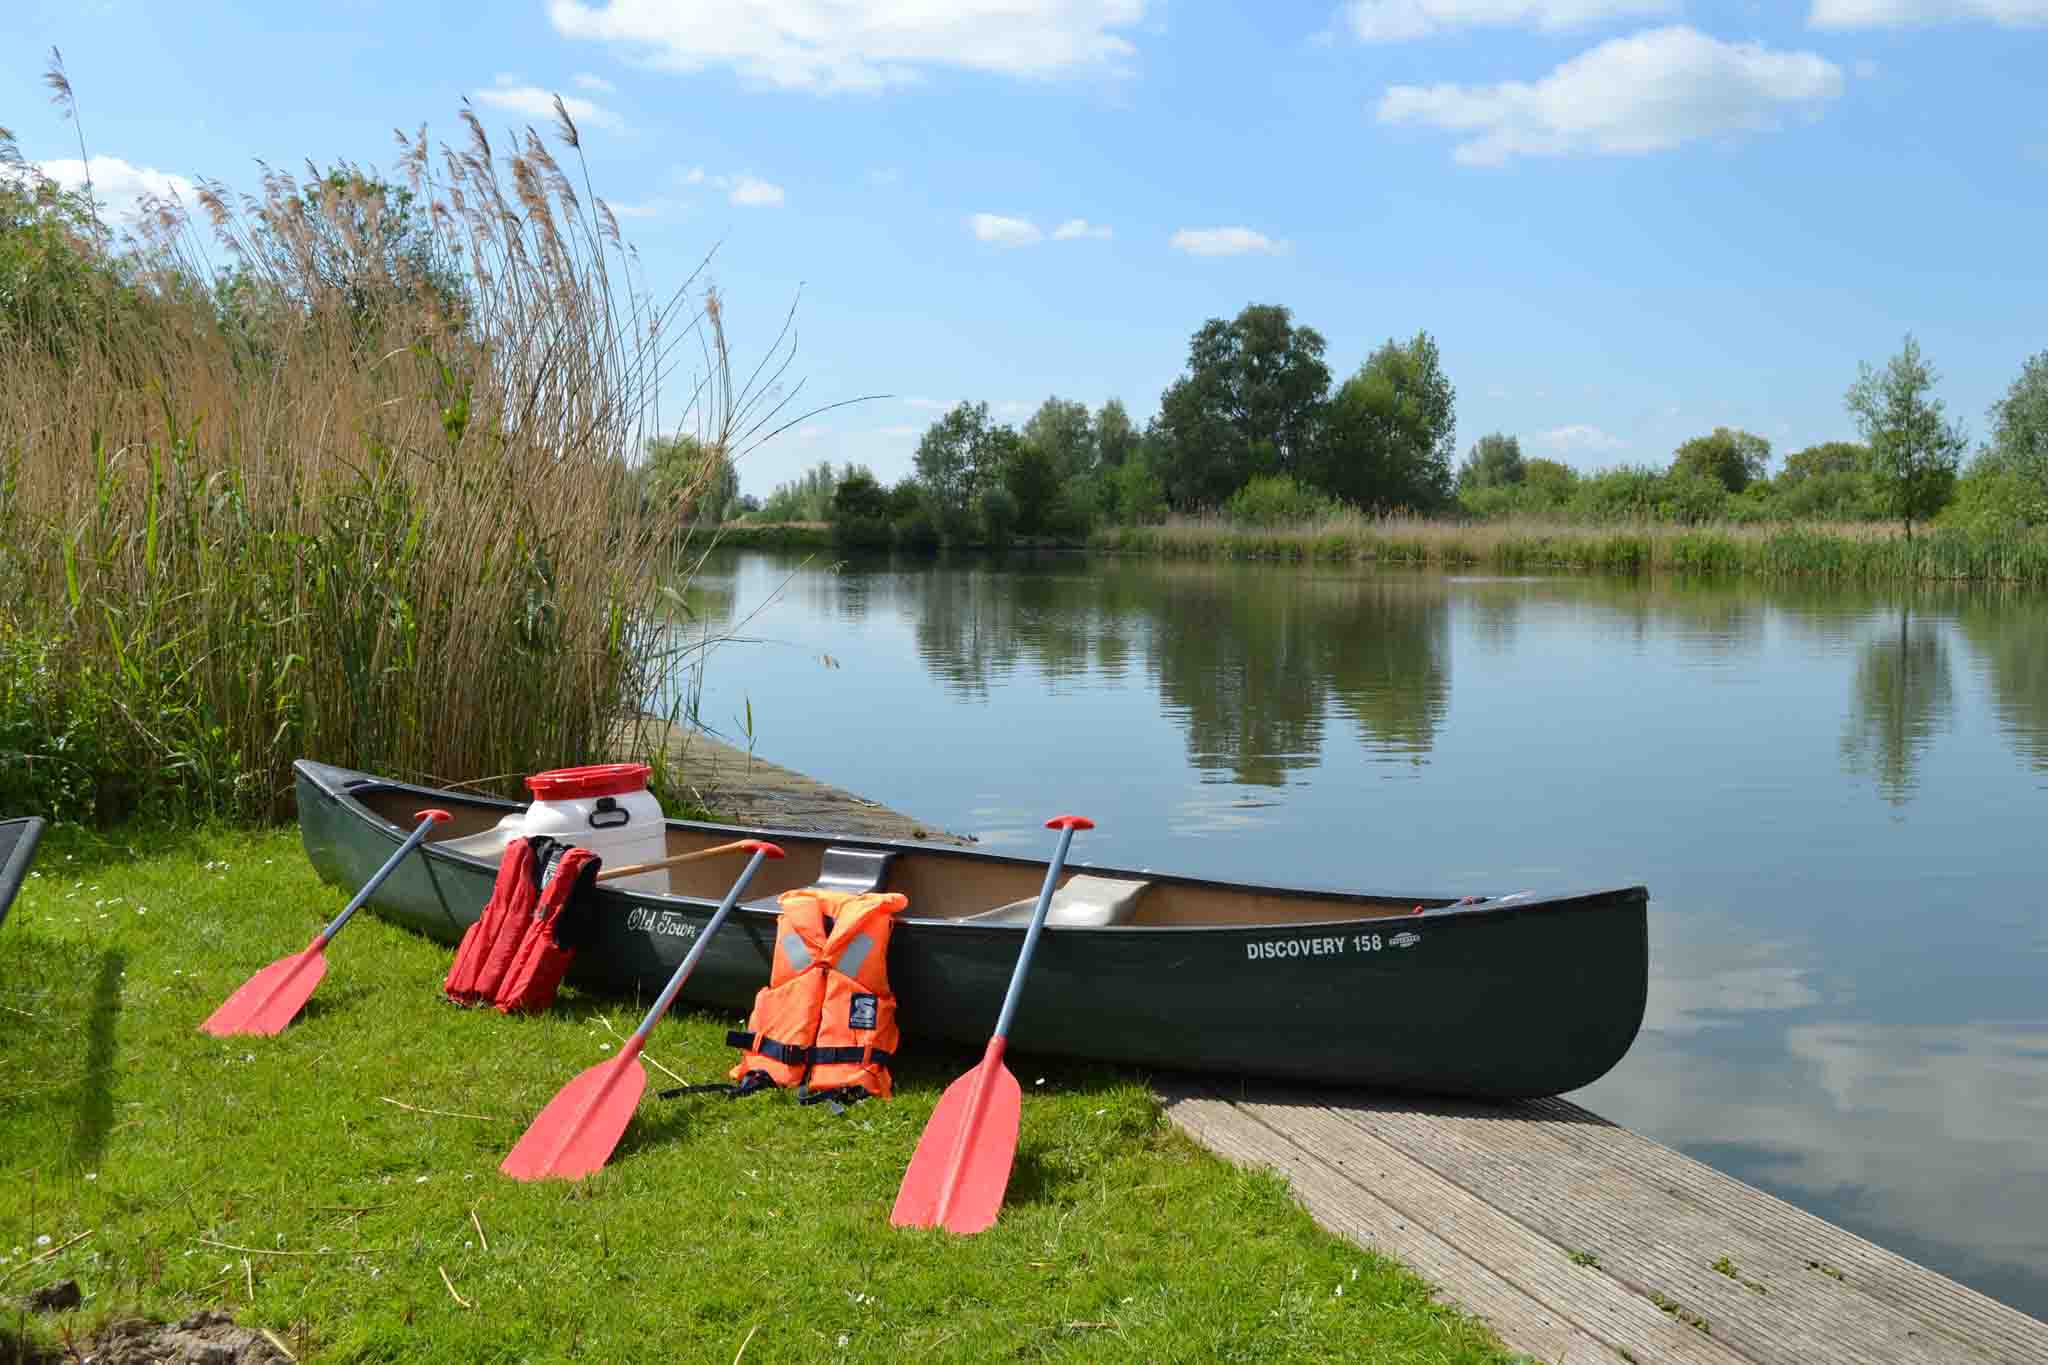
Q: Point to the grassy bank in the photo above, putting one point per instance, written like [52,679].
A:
[321,1184]
[1851,552]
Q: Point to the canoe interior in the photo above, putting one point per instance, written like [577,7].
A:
[941,883]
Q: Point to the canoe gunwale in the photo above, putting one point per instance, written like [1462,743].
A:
[352,781]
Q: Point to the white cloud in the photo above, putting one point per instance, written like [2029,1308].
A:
[1388,21]
[1645,93]
[1079,229]
[535,102]
[651,209]
[1906,13]
[745,191]
[748,192]
[1005,232]
[1224,241]
[835,45]
[598,84]
[1577,439]
[118,187]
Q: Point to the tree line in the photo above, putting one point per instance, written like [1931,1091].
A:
[1258,429]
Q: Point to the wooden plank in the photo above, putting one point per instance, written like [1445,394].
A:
[1999,1330]
[1337,1204]
[746,790]
[1642,1233]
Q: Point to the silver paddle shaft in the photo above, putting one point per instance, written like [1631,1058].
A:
[412,841]
[675,983]
[1038,913]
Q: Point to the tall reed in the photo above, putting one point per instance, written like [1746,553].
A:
[360,488]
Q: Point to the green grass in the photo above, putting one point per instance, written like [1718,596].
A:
[718,1225]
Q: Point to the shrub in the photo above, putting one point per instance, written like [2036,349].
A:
[1277,500]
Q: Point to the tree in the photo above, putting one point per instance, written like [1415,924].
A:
[1140,496]
[1250,403]
[1829,457]
[1494,461]
[954,466]
[1550,479]
[2019,425]
[808,498]
[1031,474]
[1115,438]
[682,469]
[1064,431]
[1734,459]
[861,511]
[1913,447]
[1389,433]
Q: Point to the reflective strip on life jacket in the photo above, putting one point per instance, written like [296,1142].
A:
[826,1018]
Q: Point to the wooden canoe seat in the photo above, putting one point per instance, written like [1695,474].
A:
[1084,902]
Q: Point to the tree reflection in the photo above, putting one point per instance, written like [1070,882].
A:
[1900,698]
[2012,642]
[1250,663]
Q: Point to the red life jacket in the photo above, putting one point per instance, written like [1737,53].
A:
[503,921]
[826,1020]
[549,947]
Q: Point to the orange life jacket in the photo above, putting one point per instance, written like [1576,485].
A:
[826,1020]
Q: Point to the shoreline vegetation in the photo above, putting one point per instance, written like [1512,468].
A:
[1860,553]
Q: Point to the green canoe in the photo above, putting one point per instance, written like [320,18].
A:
[1517,998]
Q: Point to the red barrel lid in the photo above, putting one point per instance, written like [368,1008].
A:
[596,779]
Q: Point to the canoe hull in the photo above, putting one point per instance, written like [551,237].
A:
[1487,1003]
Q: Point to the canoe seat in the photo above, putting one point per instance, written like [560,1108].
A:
[1084,902]
[856,871]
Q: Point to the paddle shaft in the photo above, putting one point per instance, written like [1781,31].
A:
[689,962]
[1038,913]
[428,819]
[633,869]
[992,1059]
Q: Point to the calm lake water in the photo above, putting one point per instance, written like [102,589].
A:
[1838,799]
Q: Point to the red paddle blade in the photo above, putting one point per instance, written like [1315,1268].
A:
[957,1177]
[272,998]
[575,1134]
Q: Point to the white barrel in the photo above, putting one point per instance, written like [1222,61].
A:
[605,808]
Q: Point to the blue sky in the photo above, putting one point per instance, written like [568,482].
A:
[1625,221]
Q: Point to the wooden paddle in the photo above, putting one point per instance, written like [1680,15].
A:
[634,869]
[961,1168]
[271,998]
[575,1134]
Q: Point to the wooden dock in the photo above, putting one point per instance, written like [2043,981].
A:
[1575,1239]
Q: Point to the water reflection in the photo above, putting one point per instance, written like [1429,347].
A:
[2010,640]
[1844,1004]
[1252,667]
[1900,698]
